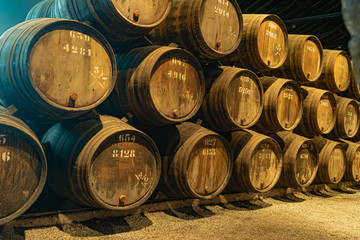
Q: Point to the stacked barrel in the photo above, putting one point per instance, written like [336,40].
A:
[187,97]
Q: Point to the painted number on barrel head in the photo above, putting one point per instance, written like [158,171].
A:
[143,179]
[221,10]
[127,138]
[123,153]
[80,36]
[2,139]
[76,50]
[210,149]
[5,156]
[304,156]
[180,62]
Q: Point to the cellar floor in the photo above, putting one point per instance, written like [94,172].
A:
[331,216]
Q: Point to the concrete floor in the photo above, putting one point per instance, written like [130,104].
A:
[317,217]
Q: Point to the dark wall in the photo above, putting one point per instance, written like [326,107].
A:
[13,12]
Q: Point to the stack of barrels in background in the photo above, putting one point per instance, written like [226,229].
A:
[225,100]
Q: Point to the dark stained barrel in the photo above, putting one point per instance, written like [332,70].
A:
[301,160]
[119,21]
[336,72]
[102,163]
[347,120]
[22,168]
[331,161]
[283,105]
[157,85]
[210,29]
[304,60]
[197,162]
[60,69]
[264,45]
[258,162]
[352,172]
[234,99]
[319,115]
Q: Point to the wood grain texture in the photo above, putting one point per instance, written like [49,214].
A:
[61,69]
[352,172]
[264,45]
[319,115]
[234,100]
[336,72]
[347,120]
[353,91]
[119,21]
[188,25]
[283,105]
[304,60]
[157,85]
[103,163]
[22,168]
[331,161]
[301,160]
[258,162]
[197,163]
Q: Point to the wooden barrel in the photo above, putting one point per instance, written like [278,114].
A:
[301,160]
[353,90]
[264,45]
[119,21]
[22,168]
[234,99]
[319,115]
[60,69]
[188,24]
[347,119]
[197,163]
[304,60]
[258,162]
[283,105]
[102,163]
[331,161]
[157,85]
[336,72]
[352,171]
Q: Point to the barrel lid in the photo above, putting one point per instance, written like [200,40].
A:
[306,164]
[326,112]
[311,58]
[143,13]
[244,99]
[336,164]
[226,23]
[22,171]
[177,84]
[209,166]
[124,170]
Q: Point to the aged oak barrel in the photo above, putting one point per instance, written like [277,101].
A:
[347,120]
[331,161]
[352,172]
[102,163]
[210,29]
[234,99]
[264,45]
[22,168]
[283,105]
[55,69]
[258,162]
[336,72]
[157,85]
[197,163]
[301,160]
[121,22]
[304,60]
[353,90]
[319,114]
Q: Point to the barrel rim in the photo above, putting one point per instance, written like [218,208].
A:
[68,24]
[19,126]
